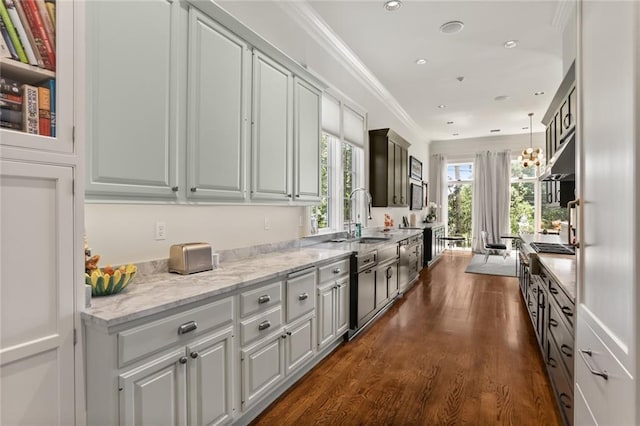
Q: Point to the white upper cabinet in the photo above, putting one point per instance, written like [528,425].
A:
[219,90]
[132,98]
[307,121]
[272,152]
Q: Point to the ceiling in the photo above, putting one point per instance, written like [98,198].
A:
[383,46]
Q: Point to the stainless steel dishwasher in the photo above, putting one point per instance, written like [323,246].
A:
[365,287]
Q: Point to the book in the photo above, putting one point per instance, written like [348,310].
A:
[7,41]
[43,44]
[46,20]
[13,106]
[10,115]
[27,28]
[44,111]
[9,125]
[4,49]
[22,33]
[4,15]
[51,84]
[51,8]
[8,85]
[10,97]
[30,109]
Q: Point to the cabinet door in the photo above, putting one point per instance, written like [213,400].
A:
[391,173]
[573,108]
[299,344]
[326,318]
[262,369]
[155,393]
[307,105]
[271,153]
[342,307]
[132,98]
[210,387]
[397,176]
[391,274]
[404,177]
[219,89]
[36,303]
[381,286]
[564,118]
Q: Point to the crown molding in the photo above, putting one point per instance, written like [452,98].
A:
[313,24]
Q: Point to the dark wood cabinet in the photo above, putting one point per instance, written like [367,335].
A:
[433,244]
[558,193]
[388,169]
[561,116]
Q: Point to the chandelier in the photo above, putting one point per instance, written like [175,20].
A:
[531,157]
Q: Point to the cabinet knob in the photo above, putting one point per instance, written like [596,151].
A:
[288,333]
[183,360]
[175,188]
[194,355]
[194,189]
[284,336]
[288,195]
[337,271]
[303,296]
[297,195]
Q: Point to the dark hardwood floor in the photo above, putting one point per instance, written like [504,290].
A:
[456,349]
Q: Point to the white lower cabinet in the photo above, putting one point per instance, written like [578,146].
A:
[299,344]
[333,311]
[262,369]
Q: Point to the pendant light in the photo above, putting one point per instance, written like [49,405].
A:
[531,157]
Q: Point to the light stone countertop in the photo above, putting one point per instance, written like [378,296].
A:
[563,270]
[155,293]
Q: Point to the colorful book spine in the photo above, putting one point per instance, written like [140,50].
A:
[43,43]
[10,125]
[27,28]
[10,97]
[22,33]
[4,49]
[51,84]
[10,115]
[4,15]
[10,86]
[13,106]
[30,113]
[51,8]
[44,111]
[7,41]
[46,20]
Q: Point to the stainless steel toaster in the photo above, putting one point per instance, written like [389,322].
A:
[189,258]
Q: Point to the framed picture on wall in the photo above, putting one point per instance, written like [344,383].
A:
[415,168]
[416,197]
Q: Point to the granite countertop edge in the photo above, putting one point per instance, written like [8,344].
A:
[153,294]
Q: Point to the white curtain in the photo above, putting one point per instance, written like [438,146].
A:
[438,186]
[491,197]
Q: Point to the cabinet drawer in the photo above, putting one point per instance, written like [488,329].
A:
[565,304]
[609,400]
[562,336]
[260,299]
[561,383]
[333,270]
[148,338]
[301,295]
[260,326]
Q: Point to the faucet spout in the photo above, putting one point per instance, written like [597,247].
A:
[369,201]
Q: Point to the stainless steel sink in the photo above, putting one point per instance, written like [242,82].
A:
[373,240]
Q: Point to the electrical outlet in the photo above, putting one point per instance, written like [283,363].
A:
[267,224]
[161,231]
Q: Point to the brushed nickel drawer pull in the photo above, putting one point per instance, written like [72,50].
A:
[566,400]
[553,322]
[187,327]
[337,271]
[566,350]
[264,299]
[264,325]
[553,290]
[593,371]
[567,311]
[303,296]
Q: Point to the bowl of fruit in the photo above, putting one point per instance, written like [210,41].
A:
[109,280]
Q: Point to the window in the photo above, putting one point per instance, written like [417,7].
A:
[460,179]
[523,205]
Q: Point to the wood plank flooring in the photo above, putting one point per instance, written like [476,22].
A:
[457,349]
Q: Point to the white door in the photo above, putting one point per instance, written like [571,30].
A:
[607,301]
[342,307]
[132,97]
[307,106]
[262,369]
[210,388]
[155,393]
[219,86]
[299,344]
[271,154]
[36,294]
[326,317]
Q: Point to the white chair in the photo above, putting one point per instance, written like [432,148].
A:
[488,248]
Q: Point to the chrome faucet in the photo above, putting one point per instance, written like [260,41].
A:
[369,200]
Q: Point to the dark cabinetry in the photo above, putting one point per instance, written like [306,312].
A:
[561,116]
[388,168]
[433,244]
[558,193]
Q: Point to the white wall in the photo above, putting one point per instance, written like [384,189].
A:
[123,233]
[465,149]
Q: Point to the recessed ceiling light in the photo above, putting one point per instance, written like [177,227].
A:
[455,134]
[539,93]
[501,98]
[451,27]
[421,61]
[510,44]
[494,130]
[442,106]
[392,5]
[460,78]
[449,122]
